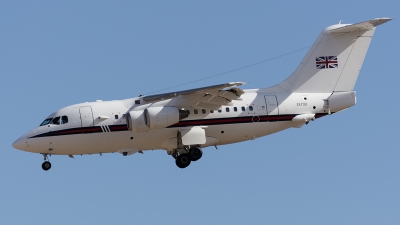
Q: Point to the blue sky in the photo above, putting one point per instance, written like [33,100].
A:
[341,169]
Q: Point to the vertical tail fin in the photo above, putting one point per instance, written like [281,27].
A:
[334,60]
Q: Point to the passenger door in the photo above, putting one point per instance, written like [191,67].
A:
[86,116]
[272,104]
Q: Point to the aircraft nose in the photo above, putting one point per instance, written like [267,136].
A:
[20,143]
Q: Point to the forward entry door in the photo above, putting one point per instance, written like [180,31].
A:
[86,116]
[272,104]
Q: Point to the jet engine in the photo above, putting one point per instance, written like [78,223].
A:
[136,121]
[154,118]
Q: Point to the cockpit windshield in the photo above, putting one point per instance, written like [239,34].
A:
[46,121]
[56,120]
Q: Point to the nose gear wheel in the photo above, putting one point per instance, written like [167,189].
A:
[46,165]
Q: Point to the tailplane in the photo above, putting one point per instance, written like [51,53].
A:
[334,60]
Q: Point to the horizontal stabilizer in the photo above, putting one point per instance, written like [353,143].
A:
[359,26]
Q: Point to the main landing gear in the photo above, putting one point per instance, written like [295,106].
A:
[184,160]
[46,165]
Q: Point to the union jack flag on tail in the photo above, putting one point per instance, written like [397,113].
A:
[326,62]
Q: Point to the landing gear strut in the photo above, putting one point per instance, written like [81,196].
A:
[186,154]
[46,165]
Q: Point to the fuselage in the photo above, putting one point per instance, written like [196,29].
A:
[101,127]
[184,122]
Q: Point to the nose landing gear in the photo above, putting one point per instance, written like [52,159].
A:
[46,165]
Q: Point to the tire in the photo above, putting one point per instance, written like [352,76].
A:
[183,161]
[46,165]
[195,153]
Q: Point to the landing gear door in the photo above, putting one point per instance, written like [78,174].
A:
[194,135]
[86,116]
[272,104]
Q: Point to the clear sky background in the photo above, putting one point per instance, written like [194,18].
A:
[341,169]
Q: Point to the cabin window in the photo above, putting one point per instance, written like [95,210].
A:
[203,111]
[116,117]
[195,111]
[56,121]
[46,121]
[64,119]
[211,111]
[251,108]
[243,108]
[235,109]
[227,109]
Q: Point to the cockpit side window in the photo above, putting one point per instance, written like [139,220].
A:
[56,121]
[64,119]
[46,121]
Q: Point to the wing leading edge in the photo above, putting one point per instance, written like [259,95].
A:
[210,97]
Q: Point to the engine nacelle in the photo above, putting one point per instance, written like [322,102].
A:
[136,121]
[154,118]
[161,117]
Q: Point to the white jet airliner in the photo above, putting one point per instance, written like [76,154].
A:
[184,122]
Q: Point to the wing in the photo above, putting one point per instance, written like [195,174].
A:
[210,97]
